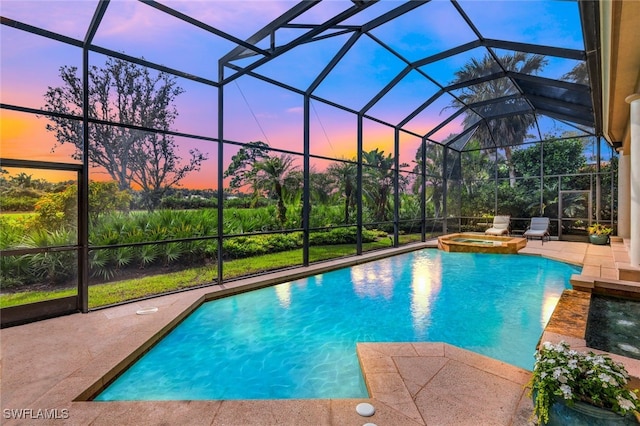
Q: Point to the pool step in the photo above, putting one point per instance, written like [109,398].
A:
[621,288]
[620,250]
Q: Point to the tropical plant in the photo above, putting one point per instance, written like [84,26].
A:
[559,157]
[477,183]
[434,156]
[345,174]
[410,207]
[16,270]
[100,264]
[599,229]
[377,182]
[51,267]
[171,252]
[147,254]
[563,374]
[326,215]
[486,100]
[270,174]
[321,186]
[253,166]
[578,74]
[22,180]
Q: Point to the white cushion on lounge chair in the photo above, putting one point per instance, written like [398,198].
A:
[500,226]
[539,228]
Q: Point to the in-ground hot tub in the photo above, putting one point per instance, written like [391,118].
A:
[613,324]
[480,243]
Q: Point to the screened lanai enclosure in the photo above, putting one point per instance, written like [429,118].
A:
[154,146]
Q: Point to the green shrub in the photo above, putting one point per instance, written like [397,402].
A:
[47,267]
[100,264]
[107,196]
[57,209]
[323,215]
[239,221]
[15,271]
[173,202]
[11,203]
[245,202]
[11,233]
[342,236]
[18,198]
[239,247]
[54,267]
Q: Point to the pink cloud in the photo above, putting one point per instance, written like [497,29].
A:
[295,110]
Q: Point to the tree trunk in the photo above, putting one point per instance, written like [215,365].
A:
[346,205]
[512,169]
[282,209]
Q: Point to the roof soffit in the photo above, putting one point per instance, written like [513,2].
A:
[621,66]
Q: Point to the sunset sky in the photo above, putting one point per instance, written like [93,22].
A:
[256,110]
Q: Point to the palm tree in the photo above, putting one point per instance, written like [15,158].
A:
[22,180]
[321,186]
[578,74]
[476,181]
[434,155]
[377,182]
[512,129]
[345,176]
[271,173]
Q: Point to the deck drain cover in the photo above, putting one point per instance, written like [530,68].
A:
[147,311]
[365,409]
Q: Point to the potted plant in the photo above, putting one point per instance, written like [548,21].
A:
[599,233]
[571,387]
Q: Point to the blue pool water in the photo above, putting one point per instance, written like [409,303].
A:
[298,340]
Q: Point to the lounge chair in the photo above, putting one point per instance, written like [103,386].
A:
[539,228]
[500,226]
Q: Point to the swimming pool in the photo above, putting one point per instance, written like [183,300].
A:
[298,339]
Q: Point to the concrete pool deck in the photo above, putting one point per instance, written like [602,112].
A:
[46,365]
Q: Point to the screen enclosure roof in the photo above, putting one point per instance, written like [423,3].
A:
[444,70]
